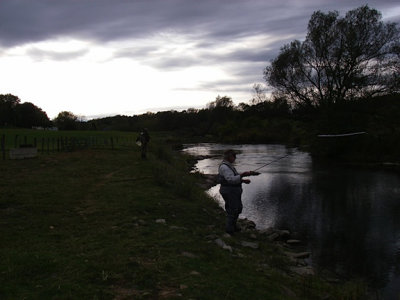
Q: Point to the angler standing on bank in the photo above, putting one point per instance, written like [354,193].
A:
[231,189]
[142,141]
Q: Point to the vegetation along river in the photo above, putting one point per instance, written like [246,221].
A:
[348,217]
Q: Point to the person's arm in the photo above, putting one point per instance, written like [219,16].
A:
[244,174]
[246,181]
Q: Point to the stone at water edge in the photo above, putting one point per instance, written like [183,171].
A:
[247,224]
[303,270]
[276,234]
[301,255]
[212,236]
[194,273]
[250,244]
[267,231]
[253,236]
[222,244]
[283,233]
[273,237]
[188,254]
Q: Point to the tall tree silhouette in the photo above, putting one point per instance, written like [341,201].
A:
[341,58]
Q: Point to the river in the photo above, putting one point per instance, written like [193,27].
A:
[348,217]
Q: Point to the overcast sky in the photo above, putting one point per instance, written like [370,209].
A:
[107,57]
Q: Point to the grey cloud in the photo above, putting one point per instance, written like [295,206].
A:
[249,72]
[159,58]
[175,63]
[207,24]
[39,54]
[249,55]
[24,21]
[135,52]
[194,56]
[223,86]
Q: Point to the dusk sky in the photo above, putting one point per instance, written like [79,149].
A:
[108,57]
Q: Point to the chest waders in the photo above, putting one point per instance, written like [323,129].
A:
[232,195]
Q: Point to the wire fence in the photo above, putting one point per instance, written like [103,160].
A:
[43,145]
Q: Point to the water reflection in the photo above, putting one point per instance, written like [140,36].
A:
[348,216]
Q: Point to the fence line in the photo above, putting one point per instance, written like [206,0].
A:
[3,146]
[64,144]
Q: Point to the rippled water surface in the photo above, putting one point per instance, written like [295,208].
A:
[349,217]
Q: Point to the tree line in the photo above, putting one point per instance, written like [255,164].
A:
[343,77]
[13,113]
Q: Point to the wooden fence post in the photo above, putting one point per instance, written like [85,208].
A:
[3,147]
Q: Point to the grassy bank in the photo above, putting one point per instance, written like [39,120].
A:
[104,224]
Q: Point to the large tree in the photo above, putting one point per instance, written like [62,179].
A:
[224,102]
[66,120]
[340,59]
[8,104]
[29,115]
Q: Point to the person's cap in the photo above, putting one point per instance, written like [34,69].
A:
[229,152]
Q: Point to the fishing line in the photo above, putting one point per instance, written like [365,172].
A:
[271,162]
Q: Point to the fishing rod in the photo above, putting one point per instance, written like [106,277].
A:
[271,162]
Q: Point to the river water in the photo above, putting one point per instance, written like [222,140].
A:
[349,218]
